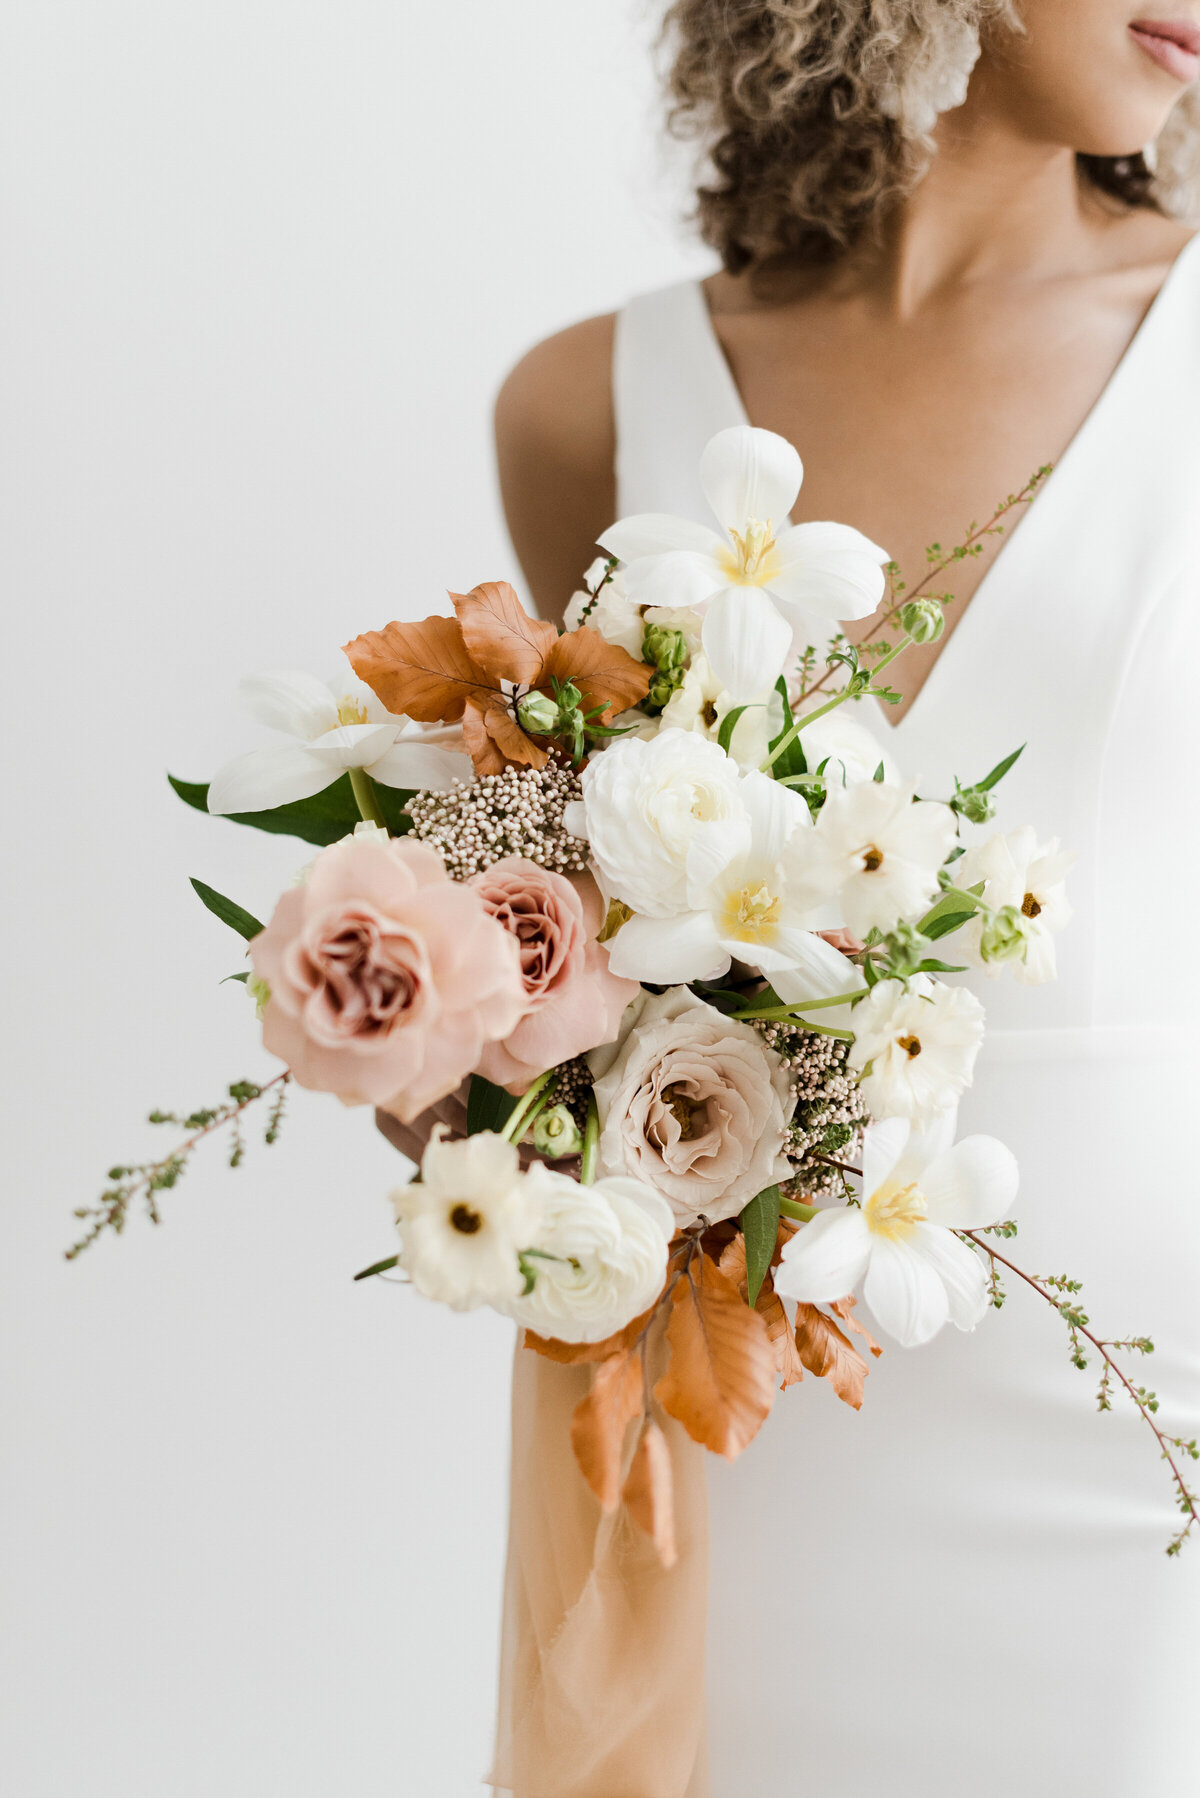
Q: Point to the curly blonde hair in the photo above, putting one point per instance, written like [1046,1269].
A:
[814,113]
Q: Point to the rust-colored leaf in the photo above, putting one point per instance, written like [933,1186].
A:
[493,738]
[605,674]
[422,670]
[649,1492]
[719,1381]
[844,1308]
[601,1420]
[501,636]
[769,1306]
[829,1354]
[572,1353]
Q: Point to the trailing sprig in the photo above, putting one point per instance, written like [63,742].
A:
[146,1179]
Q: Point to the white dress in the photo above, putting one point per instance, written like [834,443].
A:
[962,1588]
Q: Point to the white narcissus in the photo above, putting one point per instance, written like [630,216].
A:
[759,580]
[917,1191]
[1025,878]
[464,1224]
[920,1043]
[599,1256]
[874,855]
[334,726]
[741,906]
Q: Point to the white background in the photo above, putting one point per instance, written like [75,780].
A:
[265,267]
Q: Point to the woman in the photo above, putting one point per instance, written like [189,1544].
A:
[947,260]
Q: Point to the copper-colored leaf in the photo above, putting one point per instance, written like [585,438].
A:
[844,1308]
[649,1495]
[493,738]
[605,674]
[719,1381]
[829,1354]
[500,634]
[769,1306]
[423,670]
[572,1353]
[601,1420]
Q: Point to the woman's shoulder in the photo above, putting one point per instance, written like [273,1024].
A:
[557,400]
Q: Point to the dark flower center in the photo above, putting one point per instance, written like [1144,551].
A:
[464,1219]
[911,1045]
[872,859]
[1030,906]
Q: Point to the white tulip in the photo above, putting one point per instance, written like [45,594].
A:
[916,1274]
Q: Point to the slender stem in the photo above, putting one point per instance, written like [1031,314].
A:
[798,1005]
[591,1145]
[363,788]
[789,737]
[519,1116]
[793,1208]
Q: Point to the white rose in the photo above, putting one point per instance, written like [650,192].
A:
[611,613]
[645,804]
[920,1042]
[600,1258]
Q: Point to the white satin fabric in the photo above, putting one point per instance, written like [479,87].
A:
[963,1588]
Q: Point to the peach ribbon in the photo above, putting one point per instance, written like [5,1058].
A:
[602,1654]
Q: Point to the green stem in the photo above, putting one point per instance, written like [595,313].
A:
[519,1116]
[789,737]
[591,1145]
[799,1005]
[363,788]
[792,1208]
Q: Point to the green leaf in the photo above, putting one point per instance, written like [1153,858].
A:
[940,967]
[243,977]
[760,1227]
[488,1107]
[237,918]
[879,775]
[950,905]
[951,920]
[1000,770]
[322,820]
[729,725]
[378,1267]
[792,761]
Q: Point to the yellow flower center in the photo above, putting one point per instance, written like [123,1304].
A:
[351,712]
[750,561]
[1030,906]
[752,913]
[895,1211]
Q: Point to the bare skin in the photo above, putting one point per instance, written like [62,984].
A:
[929,375]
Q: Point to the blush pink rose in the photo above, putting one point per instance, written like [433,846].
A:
[572,998]
[387,978]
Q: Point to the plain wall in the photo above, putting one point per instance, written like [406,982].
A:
[265,267]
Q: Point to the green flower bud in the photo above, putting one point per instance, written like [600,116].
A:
[569,697]
[906,949]
[260,992]
[537,714]
[664,648]
[923,619]
[975,804]
[1003,937]
[556,1133]
[662,685]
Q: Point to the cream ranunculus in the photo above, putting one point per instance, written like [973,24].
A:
[644,804]
[465,1223]
[599,1257]
[920,1043]
[692,1104]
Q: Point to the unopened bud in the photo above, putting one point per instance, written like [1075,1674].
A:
[923,619]
[260,992]
[1003,937]
[537,714]
[556,1134]
[976,805]
[664,648]
[662,685]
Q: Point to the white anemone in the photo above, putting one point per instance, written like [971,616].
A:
[333,726]
[920,1043]
[701,704]
[760,580]
[463,1225]
[1026,878]
[916,1274]
[874,855]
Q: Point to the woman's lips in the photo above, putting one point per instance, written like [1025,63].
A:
[1172,43]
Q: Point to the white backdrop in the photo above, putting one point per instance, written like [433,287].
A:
[266,264]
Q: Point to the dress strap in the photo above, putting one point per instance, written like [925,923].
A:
[672,391]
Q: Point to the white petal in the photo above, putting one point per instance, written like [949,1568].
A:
[971,1185]
[775,812]
[747,473]
[656,534]
[355,745]
[927,1140]
[817,971]
[883,1145]
[265,778]
[829,570]
[826,1258]
[961,1271]
[291,701]
[667,951]
[575,819]
[421,766]
[746,641]
[710,853]
[905,1292]
[681,578]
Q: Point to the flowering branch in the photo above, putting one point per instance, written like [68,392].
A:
[147,1178]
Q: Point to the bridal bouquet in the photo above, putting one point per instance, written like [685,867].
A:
[654,947]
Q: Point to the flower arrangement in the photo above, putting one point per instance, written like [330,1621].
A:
[642,935]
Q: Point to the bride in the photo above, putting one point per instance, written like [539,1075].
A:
[954,247]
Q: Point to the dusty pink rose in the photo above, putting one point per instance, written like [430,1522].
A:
[387,978]
[573,1000]
[694,1104]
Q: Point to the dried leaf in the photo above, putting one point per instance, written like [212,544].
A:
[769,1306]
[719,1381]
[605,673]
[570,1354]
[829,1354]
[648,1493]
[422,670]
[501,636]
[844,1308]
[494,739]
[601,1420]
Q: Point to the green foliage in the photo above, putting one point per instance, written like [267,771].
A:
[488,1107]
[229,912]
[323,819]
[792,762]
[760,1227]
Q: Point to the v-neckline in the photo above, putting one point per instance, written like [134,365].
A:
[1071,454]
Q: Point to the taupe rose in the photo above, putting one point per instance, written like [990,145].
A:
[693,1104]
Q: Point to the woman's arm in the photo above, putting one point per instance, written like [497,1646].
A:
[555,443]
